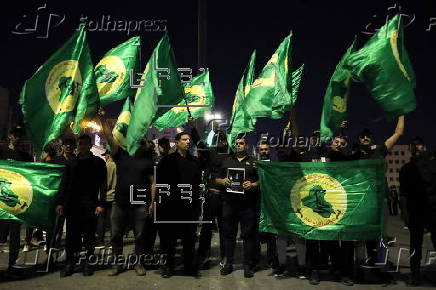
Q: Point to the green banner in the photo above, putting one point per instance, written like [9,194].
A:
[334,110]
[120,129]
[63,87]
[162,89]
[28,191]
[271,93]
[112,72]
[323,200]
[197,93]
[384,66]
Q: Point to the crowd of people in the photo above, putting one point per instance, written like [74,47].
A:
[187,194]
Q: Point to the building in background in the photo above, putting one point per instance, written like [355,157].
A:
[397,157]
[4,113]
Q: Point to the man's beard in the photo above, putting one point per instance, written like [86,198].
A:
[264,156]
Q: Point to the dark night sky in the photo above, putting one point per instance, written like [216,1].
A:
[322,32]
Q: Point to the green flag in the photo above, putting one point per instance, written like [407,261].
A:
[334,111]
[28,191]
[384,65]
[159,90]
[241,121]
[120,129]
[113,70]
[296,81]
[197,93]
[271,93]
[323,200]
[48,99]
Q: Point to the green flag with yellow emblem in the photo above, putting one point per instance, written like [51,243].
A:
[119,131]
[113,71]
[384,66]
[199,97]
[334,110]
[62,88]
[28,191]
[323,200]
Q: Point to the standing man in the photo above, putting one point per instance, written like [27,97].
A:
[13,152]
[418,186]
[104,219]
[134,197]
[81,199]
[212,207]
[240,208]
[178,206]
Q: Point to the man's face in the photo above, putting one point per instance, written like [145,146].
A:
[84,146]
[338,144]
[365,140]
[264,151]
[241,146]
[417,149]
[14,140]
[161,150]
[68,147]
[184,143]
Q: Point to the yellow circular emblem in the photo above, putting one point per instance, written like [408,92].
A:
[15,192]
[339,104]
[110,73]
[63,85]
[318,200]
[195,90]
[120,130]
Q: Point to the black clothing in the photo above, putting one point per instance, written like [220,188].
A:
[370,152]
[241,209]
[416,184]
[132,171]
[17,154]
[183,176]
[81,183]
[180,203]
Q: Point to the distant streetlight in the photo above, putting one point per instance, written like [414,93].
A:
[209,116]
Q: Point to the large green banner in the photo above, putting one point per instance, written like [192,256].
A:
[28,191]
[323,200]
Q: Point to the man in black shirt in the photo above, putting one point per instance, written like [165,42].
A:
[13,152]
[240,208]
[134,197]
[418,186]
[212,207]
[81,198]
[178,206]
[366,149]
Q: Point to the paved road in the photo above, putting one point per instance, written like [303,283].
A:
[210,279]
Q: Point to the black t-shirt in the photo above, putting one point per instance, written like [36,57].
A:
[250,175]
[132,172]
[81,183]
[374,151]
[183,176]
[17,155]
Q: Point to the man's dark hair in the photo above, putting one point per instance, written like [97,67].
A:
[179,135]
[85,137]
[17,132]
[365,132]
[164,143]
[417,141]
[68,140]
[50,150]
[242,136]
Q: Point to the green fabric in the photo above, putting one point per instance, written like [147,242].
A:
[28,191]
[49,98]
[119,131]
[384,65]
[323,200]
[161,87]
[271,93]
[241,121]
[198,92]
[334,110]
[112,72]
